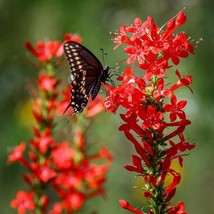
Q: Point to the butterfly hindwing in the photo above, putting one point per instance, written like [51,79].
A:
[79,98]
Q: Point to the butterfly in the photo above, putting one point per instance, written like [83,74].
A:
[86,76]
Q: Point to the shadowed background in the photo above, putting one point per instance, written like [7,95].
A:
[93,20]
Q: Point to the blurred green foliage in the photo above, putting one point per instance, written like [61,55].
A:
[93,20]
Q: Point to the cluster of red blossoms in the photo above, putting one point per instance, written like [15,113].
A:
[57,167]
[152,114]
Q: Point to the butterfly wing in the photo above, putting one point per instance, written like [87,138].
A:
[85,76]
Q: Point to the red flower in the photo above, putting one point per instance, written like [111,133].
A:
[105,153]
[137,165]
[74,201]
[174,183]
[17,153]
[175,108]
[56,209]
[43,172]
[151,117]
[62,105]
[159,91]
[179,209]
[67,169]
[72,37]
[69,179]
[44,51]
[144,98]
[23,202]
[62,156]
[93,174]
[186,81]
[43,141]
[152,47]
[129,95]
[125,205]
[46,83]
[95,106]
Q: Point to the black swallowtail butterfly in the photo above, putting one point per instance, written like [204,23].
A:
[86,76]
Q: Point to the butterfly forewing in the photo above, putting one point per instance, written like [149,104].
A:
[81,58]
[87,73]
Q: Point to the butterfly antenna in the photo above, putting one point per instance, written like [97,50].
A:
[103,56]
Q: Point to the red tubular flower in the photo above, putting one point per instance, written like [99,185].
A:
[72,37]
[151,117]
[175,108]
[146,111]
[179,209]
[125,205]
[69,179]
[74,201]
[186,81]
[46,83]
[43,141]
[95,106]
[17,153]
[148,195]
[62,156]
[104,153]
[139,149]
[64,102]
[174,183]
[137,165]
[174,23]
[126,95]
[56,209]
[44,172]
[44,51]
[23,202]
[63,166]
[93,174]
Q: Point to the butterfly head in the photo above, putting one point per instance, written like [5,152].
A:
[105,74]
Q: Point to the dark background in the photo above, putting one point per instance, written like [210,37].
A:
[93,20]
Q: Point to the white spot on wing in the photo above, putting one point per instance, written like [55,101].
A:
[71,78]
